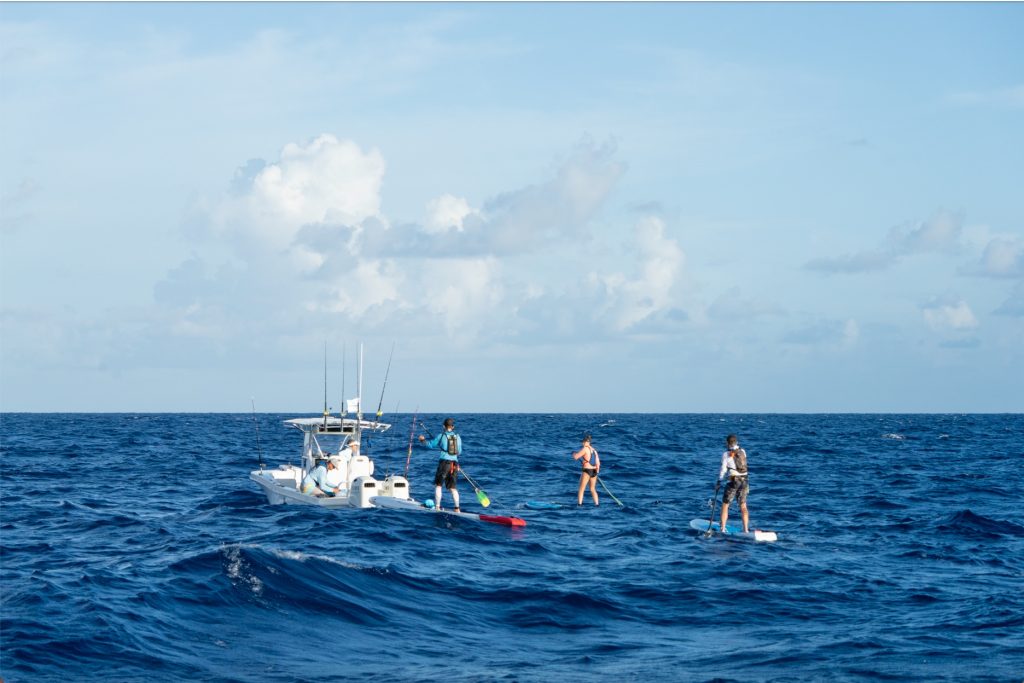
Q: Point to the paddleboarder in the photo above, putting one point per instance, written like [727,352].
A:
[734,464]
[591,468]
[447,473]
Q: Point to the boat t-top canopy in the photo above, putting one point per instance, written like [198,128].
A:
[336,425]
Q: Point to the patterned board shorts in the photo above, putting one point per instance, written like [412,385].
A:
[738,488]
[446,474]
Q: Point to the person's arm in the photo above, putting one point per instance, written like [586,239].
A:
[579,454]
[725,466]
[432,444]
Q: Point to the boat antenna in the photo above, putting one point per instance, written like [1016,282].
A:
[386,373]
[344,408]
[259,448]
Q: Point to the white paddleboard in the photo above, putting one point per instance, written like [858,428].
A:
[735,531]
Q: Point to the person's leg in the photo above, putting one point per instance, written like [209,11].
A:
[455,497]
[583,487]
[593,490]
[744,489]
[437,497]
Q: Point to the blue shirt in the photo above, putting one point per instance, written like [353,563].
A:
[317,477]
[440,442]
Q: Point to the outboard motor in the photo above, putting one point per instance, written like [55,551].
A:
[364,488]
[395,486]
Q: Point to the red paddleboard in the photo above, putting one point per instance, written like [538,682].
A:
[507,521]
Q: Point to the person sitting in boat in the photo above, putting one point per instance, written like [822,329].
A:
[315,483]
[591,466]
[447,473]
[734,463]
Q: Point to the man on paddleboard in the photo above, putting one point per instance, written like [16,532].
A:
[450,445]
[734,463]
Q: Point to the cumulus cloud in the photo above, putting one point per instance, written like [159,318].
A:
[941,232]
[445,213]
[949,313]
[326,180]
[306,237]
[1003,257]
[628,300]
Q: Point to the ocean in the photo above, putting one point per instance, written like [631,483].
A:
[135,548]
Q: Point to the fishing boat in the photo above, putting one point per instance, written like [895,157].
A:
[336,439]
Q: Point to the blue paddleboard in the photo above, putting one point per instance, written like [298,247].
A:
[541,505]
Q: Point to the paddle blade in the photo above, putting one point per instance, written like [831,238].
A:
[482,497]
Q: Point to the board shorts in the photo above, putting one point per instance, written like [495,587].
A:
[738,488]
[590,472]
[447,473]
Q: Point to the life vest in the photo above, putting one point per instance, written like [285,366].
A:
[453,443]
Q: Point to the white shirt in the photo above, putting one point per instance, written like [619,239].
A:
[729,465]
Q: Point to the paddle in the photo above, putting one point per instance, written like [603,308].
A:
[714,502]
[481,495]
[601,482]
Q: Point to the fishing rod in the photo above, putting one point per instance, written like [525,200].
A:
[344,408]
[412,434]
[325,385]
[386,373]
[259,449]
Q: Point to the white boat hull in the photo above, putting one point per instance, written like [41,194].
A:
[281,487]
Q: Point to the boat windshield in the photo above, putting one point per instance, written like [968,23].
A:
[329,444]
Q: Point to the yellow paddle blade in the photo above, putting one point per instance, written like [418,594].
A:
[482,497]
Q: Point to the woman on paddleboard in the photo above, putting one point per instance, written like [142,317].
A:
[591,467]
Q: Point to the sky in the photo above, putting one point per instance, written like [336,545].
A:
[569,207]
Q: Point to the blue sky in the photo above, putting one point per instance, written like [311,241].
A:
[547,207]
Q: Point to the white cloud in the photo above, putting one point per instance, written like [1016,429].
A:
[445,213]
[949,314]
[464,293]
[1003,257]
[371,283]
[941,232]
[326,180]
[661,260]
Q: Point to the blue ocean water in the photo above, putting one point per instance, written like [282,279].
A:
[134,548]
